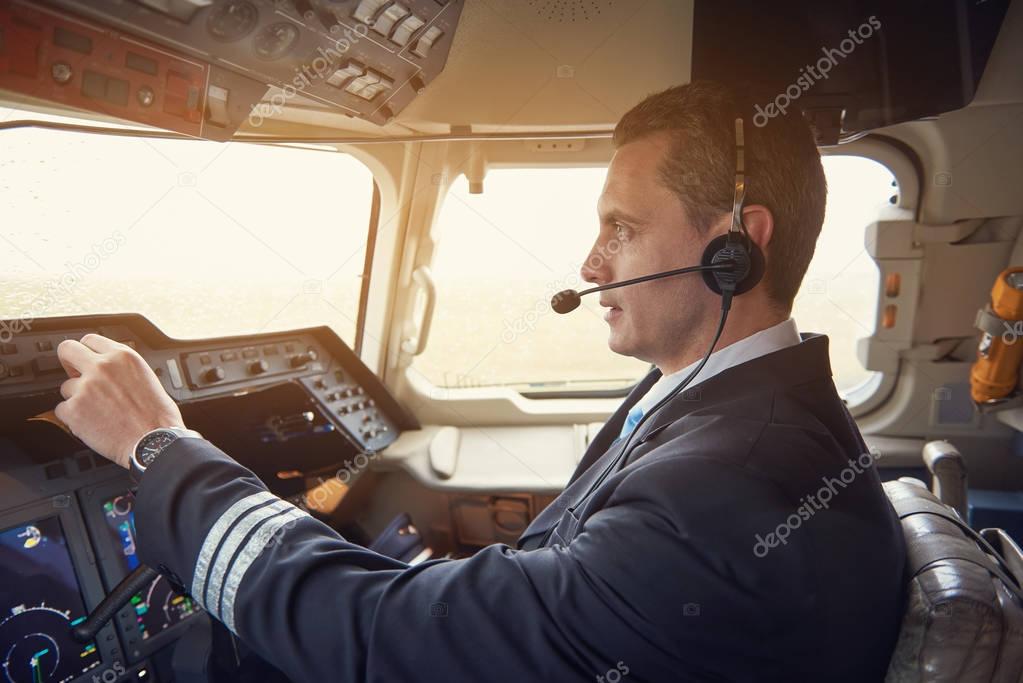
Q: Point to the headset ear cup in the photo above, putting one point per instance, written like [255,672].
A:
[751,261]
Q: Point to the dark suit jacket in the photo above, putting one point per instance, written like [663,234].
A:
[714,554]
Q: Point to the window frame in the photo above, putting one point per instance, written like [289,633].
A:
[907,169]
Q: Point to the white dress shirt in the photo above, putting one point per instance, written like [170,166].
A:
[759,344]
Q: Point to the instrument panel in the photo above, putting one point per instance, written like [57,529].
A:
[288,405]
[347,394]
[41,600]
[58,557]
[48,582]
[148,621]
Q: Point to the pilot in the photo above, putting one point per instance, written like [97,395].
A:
[741,534]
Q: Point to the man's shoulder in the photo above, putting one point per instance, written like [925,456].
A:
[779,439]
[732,475]
[743,426]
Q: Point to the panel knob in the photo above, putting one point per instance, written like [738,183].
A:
[214,374]
[302,359]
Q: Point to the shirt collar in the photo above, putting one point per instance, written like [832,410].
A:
[758,344]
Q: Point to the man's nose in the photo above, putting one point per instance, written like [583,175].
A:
[594,268]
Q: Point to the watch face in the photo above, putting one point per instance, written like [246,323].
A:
[151,446]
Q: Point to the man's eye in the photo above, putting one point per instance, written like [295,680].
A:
[621,232]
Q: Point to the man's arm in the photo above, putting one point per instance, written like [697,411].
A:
[321,608]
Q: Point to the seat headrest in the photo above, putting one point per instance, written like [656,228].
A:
[960,622]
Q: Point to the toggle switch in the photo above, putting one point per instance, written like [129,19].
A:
[368,9]
[426,41]
[350,70]
[406,29]
[392,15]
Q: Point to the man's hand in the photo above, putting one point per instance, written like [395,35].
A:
[112,396]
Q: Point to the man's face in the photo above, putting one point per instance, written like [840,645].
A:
[644,230]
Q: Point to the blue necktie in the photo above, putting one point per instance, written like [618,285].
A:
[633,418]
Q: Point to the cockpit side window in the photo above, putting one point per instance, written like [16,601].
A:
[502,254]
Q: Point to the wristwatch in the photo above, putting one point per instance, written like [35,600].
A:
[148,448]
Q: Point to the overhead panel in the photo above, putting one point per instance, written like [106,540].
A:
[204,67]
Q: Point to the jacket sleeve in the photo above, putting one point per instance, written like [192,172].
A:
[321,608]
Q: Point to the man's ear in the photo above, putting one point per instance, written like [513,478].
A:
[760,224]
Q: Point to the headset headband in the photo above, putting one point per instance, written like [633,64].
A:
[739,197]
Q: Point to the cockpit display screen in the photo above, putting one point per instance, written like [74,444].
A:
[40,600]
[158,607]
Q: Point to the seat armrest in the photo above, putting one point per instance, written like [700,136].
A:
[948,471]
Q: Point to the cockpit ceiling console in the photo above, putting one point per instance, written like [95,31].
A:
[205,67]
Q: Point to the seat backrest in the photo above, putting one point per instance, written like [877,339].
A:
[961,623]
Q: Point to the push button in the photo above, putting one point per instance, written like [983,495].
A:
[181,98]
[45,364]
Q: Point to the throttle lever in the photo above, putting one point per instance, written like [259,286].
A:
[139,578]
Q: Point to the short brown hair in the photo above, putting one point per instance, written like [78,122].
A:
[782,162]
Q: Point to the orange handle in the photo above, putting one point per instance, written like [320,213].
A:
[996,372]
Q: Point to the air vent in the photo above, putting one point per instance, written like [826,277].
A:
[565,11]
